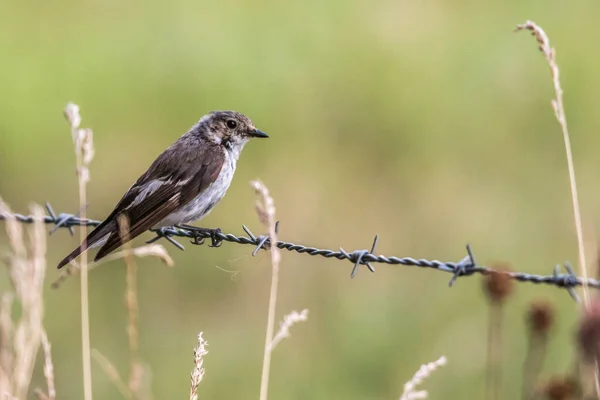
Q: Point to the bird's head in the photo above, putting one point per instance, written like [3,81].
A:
[229,129]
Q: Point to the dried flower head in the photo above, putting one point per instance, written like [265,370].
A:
[410,387]
[83,140]
[72,115]
[284,327]
[265,206]
[588,335]
[560,388]
[497,284]
[540,317]
[540,36]
[198,372]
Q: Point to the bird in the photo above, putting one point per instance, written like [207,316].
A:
[181,186]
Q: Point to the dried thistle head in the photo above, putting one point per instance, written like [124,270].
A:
[497,284]
[540,317]
[560,388]
[588,334]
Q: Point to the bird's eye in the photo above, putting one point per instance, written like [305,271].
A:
[231,124]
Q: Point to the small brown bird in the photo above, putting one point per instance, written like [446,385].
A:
[182,185]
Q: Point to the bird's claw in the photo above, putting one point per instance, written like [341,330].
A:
[200,235]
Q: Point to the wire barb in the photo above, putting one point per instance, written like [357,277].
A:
[568,280]
[166,232]
[357,257]
[61,220]
[465,267]
[264,242]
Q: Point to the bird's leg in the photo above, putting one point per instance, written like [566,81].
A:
[200,234]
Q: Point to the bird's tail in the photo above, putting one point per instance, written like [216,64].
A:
[96,238]
[74,254]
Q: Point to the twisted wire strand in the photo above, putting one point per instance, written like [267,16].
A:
[465,267]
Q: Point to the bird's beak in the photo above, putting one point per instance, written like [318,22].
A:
[257,134]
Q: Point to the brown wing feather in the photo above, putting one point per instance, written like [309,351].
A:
[94,236]
[166,199]
[141,220]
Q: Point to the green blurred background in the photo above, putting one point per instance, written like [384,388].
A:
[428,123]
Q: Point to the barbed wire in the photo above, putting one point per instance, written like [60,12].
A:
[465,267]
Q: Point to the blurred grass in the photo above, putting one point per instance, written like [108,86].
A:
[428,123]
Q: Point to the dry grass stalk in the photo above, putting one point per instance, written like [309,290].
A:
[265,208]
[113,374]
[6,337]
[559,113]
[284,327]
[48,371]
[198,372]
[136,370]
[48,366]
[84,152]
[498,287]
[410,387]
[135,388]
[39,393]
[21,338]
[149,250]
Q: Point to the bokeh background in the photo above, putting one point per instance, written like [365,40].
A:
[428,123]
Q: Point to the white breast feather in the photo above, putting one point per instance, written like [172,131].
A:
[200,206]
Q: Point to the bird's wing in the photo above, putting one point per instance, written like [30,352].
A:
[156,199]
[176,177]
[91,240]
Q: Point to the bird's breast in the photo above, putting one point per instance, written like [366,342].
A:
[202,204]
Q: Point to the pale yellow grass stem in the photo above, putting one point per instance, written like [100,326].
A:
[20,339]
[84,152]
[48,366]
[150,250]
[266,213]
[559,112]
[131,303]
[113,374]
